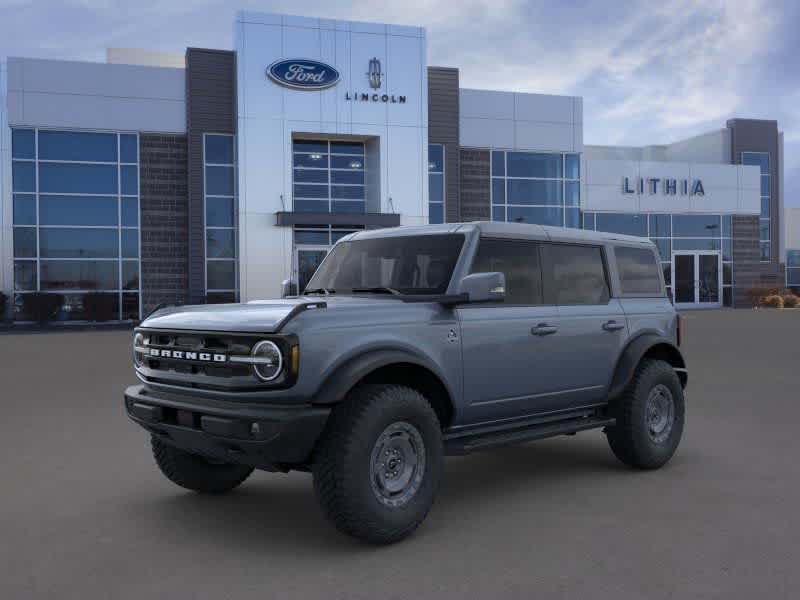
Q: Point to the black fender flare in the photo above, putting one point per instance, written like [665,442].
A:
[632,355]
[334,388]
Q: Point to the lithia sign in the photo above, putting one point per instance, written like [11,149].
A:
[306,74]
[667,186]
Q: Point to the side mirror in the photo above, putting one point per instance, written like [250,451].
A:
[483,287]
[288,288]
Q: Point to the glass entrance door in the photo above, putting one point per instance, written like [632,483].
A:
[697,279]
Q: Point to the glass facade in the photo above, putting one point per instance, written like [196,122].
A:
[536,187]
[673,233]
[761,160]
[219,159]
[436,183]
[312,244]
[76,219]
[793,268]
[328,176]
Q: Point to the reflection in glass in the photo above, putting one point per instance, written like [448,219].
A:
[221,274]
[220,243]
[66,178]
[684,278]
[532,164]
[24,209]
[219,212]
[219,149]
[219,181]
[79,275]
[77,146]
[24,275]
[23,143]
[25,242]
[77,210]
[531,191]
[57,242]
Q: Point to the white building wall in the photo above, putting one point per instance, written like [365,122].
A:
[146,58]
[713,147]
[81,95]
[490,119]
[791,228]
[269,115]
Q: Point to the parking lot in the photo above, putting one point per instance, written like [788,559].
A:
[85,514]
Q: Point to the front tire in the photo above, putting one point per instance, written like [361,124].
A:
[378,464]
[650,417]
[194,472]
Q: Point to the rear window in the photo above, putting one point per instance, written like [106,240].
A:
[574,275]
[638,271]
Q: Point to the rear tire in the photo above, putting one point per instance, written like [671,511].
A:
[194,472]
[378,463]
[650,417]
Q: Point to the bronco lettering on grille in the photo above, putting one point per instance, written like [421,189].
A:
[180,354]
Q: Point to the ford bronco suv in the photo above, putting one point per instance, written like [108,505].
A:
[409,344]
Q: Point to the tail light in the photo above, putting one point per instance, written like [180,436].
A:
[678,330]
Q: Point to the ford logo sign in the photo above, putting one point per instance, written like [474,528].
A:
[303,74]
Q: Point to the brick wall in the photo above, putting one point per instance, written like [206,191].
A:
[443,128]
[475,199]
[165,231]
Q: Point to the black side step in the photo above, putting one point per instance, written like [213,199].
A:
[474,443]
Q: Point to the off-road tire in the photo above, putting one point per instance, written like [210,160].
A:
[343,462]
[630,438]
[196,473]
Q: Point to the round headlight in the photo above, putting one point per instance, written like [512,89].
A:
[138,342]
[268,361]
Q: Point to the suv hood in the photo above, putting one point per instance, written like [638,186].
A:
[259,316]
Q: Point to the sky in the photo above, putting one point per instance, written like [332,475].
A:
[649,72]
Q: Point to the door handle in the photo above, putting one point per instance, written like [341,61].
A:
[543,329]
[612,325]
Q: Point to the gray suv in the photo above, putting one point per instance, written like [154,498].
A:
[409,344]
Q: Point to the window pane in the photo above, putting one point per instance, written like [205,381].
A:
[337,235]
[219,181]
[588,221]
[572,218]
[763,229]
[696,244]
[221,274]
[696,225]
[312,175]
[498,163]
[130,274]
[220,243]
[793,258]
[79,275]
[311,205]
[660,226]
[573,166]
[348,206]
[219,149]
[572,190]
[765,251]
[525,191]
[74,145]
[628,224]
[25,275]
[530,164]
[538,215]
[727,249]
[498,213]
[78,243]
[128,149]
[727,226]
[765,185]
[347,148]
[353,176]
[436,213]
[130,212]
[348,192]
[130,180]
[435,158]
[23,144]
[130,306]
[765,207]
[24,209]
[344,162]
[519,262]
[664,246]
[77,210]
[793,277]
[219,212]
[130,243]
[310,146]
[436,187]
[317,238]
[319,161]
[23,176]
[25,242]
[310,191]
[77,179]
[498,191]
[573,275]
[638,271]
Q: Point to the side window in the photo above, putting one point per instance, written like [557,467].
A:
[574,275]
[519,262]
[638,271]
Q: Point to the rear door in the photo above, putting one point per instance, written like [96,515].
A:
[592,328]
[508,350]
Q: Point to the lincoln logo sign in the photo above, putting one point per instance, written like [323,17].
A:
[669,187]
[302,74]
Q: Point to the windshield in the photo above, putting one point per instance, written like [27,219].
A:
[419,264]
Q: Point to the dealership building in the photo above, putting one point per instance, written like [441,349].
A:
[213,175]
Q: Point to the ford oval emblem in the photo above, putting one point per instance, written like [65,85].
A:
[303,74]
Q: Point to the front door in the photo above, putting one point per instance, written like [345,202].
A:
[697,279]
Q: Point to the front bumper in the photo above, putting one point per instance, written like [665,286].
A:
[269,437]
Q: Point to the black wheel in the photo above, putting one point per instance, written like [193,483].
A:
[378,464]
[195,472]
[650,414]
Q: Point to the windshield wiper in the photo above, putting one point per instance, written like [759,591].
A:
[377,290]
[320,290]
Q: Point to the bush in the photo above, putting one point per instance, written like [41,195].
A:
[790,301]
[98,306]
[3,306]
[773,301]
[41,306]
